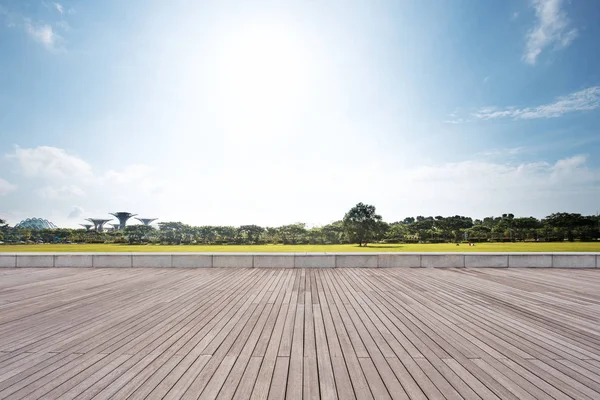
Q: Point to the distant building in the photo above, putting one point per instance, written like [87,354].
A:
[123,217]
[98,223]
[146,221]
[35,223]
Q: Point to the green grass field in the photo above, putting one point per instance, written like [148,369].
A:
[483,247]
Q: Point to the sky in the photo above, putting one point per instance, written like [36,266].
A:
[269,113]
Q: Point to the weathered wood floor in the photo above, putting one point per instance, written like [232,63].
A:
[314,333]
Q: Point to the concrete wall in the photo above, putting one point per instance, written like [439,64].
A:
[8,261]
[393,260]
[73,260]
[486,261]
[182,260]
[442,260]
[300,260]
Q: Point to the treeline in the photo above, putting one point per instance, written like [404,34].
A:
[420,229]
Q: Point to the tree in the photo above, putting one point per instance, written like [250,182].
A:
[566,221]
[362,224]
[333,232]
[251,233]
[226,234]
[174,232]
[396,233]
[3,228]
[524,228]
[479,232]
[293,233]
[138,233]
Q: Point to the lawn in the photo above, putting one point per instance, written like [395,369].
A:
[480,247]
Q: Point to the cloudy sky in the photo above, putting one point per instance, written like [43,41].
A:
[275,112]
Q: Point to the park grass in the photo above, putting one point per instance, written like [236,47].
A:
[342,248]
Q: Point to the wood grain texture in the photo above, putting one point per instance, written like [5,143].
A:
[309,333]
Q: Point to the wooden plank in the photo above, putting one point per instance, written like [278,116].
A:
[300,333]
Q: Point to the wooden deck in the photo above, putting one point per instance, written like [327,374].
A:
[312,333]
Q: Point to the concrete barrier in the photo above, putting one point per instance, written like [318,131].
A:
[575,261]
[35,260]
[530,261]
[233,261]
[442,260]
[191,261]
[112,260]
[399,260]
[73,261]
[301,260]
[356,261]
[486,261]
[314,261]
[274,261]
[8,261]
[151,261]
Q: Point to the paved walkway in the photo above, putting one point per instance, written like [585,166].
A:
[312,333]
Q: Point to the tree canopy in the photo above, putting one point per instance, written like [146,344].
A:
[362,224]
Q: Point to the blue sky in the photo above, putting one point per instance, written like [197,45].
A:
[277,112]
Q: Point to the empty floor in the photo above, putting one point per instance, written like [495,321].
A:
[312,333]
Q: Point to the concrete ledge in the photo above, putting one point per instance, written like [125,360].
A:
[73,261]
[301,260]
[530,261]
[191,261]
[487,261]
[35,260]
[584,261]
[274,261]
[443,261]
[356,261]
[112,260]
[233,261]
[151,261]
[8,261]
[399,260]
[314,261]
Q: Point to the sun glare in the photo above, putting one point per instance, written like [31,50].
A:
[263,67]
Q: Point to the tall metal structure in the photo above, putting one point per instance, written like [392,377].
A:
[87,226]
[98,223]
[123,217]
[115,226]
[146,221]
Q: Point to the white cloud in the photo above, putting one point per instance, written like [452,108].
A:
[480,188]
[562,175]
[6,187]
[61,192]
[514,16]
[76,212]
[583,100]
[129,174]
[64,25]
[67,172]
[44,34]
[491,183]
[59,7]
[551,29]
[50,163]
[505,152]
